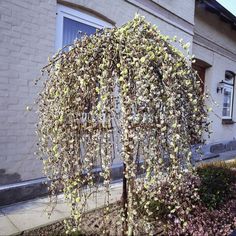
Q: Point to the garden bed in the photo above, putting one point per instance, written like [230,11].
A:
[215,215]
[92,224]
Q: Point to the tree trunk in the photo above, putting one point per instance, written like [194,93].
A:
[125,202]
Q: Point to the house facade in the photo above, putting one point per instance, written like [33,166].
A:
[214,46]
[33,30]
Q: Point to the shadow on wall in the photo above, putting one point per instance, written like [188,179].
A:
[8,178]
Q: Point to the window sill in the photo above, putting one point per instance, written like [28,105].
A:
[228,121]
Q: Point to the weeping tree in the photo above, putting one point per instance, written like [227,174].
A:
[124,92]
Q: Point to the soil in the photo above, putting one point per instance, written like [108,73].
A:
[92,225]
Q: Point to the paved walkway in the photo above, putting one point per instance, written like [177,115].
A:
[33,214]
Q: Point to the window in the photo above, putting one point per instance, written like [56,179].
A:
[227,102]
[71,22]
[228,94]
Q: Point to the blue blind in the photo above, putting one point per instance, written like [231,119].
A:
[71,30]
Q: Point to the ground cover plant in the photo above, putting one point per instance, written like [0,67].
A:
[217,183]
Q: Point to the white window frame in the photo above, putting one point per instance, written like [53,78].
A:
[77,15]
[231,88]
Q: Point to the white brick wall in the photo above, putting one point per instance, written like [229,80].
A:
[182,8]
[27,39]
[210,27]
[28,32]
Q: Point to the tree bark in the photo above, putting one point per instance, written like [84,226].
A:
[125,202]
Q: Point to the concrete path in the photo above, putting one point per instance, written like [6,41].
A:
[33,214]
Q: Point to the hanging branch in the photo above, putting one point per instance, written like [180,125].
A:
[160,110]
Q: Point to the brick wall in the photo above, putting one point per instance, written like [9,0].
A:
[27,38]
[28,33]
[215,43]
[182,8]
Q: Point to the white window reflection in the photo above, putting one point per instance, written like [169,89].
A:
[227,101]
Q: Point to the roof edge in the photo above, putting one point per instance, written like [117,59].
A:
[215,7]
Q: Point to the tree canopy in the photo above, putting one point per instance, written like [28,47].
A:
[127,91]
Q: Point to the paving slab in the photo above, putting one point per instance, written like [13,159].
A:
[6,226]
[32,214]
